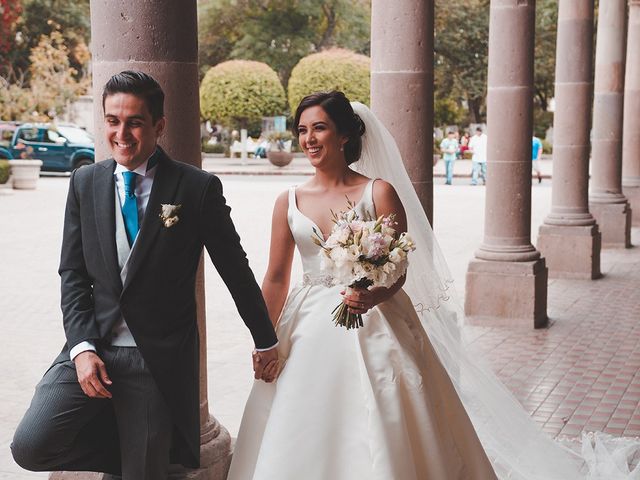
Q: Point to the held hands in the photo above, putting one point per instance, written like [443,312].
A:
[92,375]
[266,365]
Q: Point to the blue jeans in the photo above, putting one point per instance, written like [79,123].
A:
[482,168]
[449,168]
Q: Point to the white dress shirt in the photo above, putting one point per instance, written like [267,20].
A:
[478,145]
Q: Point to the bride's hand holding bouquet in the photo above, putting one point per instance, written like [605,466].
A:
[366,255]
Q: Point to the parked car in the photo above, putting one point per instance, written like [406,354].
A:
[61,147]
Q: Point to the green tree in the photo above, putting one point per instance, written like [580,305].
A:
[461,46]
[9,13]
[238,92]
[545,51]
[447,112]
[280,32]
[43,17]
[16,102]
[461,53]
[53,79]
[333,69]
[52,87]
[219,24]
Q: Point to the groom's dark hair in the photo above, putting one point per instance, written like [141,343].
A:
[348,123]
[141,85]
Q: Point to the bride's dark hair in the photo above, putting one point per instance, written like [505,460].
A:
[341,113]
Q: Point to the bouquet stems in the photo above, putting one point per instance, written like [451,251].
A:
[344,318]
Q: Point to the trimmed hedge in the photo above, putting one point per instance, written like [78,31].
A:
[5,170]
[214,148]
[333,69]
[238,92]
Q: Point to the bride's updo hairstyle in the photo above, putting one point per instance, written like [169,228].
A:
[339,110]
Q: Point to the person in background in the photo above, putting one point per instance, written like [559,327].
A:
[464,145]
[449,147]
[478,145]
[536,155]
[261,149]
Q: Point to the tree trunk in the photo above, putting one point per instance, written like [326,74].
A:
[542,100]
[327,36]
[474,109]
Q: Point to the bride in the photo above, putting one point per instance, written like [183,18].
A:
[400,398]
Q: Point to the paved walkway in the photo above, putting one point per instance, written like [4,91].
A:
[300,166]
[581,372]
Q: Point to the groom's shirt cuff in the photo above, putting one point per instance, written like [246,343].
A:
[265,349]
[81,347]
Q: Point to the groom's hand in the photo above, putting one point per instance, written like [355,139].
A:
[92,375]
[265,364]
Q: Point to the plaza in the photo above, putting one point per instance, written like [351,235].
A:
[549,280]
[582,372]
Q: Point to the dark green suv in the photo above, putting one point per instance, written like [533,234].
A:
[61,147]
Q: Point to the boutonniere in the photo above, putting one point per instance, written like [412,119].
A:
[169,214]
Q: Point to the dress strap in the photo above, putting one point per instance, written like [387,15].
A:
[291,208]
[292,197]
[367,195]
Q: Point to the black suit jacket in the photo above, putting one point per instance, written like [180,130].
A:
[158,299]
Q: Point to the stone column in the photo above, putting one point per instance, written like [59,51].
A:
[402,84]
[569,238]
[507,280]
[606,201]
[160,38]
[631,128]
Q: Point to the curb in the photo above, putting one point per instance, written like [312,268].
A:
[283,171]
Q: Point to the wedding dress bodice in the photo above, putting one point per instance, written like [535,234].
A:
[302,230]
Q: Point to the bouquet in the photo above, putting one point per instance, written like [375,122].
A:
[362,253]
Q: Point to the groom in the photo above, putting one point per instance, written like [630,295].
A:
[122,397]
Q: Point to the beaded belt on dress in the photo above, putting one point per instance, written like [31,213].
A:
[313,280]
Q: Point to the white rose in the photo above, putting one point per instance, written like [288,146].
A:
[339,256]
[353,252]
[343,235]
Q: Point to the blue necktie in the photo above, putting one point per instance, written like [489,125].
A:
[130,207]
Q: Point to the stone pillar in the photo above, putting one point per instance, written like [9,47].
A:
[606,201]
[402,84]
[160,38]
[631,128]
[569,238]
[507,280]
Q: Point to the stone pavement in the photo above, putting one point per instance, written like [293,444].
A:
[581,372]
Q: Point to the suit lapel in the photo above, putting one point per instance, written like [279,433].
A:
[165,183]
[104,205]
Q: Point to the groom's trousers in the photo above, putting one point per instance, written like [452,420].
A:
[52,435]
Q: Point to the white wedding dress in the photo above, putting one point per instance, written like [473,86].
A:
[373,403]
[404,397]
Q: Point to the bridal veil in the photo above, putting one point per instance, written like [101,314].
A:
[516,446]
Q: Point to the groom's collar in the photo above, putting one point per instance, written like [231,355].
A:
[145,168]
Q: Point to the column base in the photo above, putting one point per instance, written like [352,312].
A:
[614,220]
[571,251]
[215,456]
[215,459]
[633,195]
[506,293]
